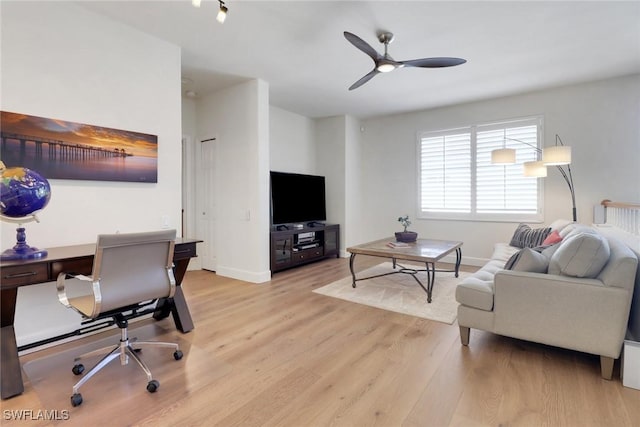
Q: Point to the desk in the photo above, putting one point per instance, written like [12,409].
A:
[77,259]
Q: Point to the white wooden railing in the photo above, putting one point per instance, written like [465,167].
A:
[623,215]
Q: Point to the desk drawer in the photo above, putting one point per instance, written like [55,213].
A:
[184,250]
[24,275]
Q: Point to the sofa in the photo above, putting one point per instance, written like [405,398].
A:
[565,285]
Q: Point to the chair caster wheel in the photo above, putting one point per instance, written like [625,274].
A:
[177,355]
[152,386]
[76,399]
[77,370]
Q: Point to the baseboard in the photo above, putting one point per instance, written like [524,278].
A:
[244,275]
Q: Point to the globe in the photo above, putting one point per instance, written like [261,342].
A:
[23,192]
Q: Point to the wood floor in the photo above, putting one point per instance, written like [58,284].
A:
[277,354]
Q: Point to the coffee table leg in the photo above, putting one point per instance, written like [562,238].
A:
[353,274]
[458,260]
[431,278]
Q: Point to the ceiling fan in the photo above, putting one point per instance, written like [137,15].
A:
[385,63]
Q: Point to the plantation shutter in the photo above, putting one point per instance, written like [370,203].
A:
[445,175]
[505,189]
[458,181]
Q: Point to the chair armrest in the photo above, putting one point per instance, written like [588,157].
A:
[61,282]
[581,314]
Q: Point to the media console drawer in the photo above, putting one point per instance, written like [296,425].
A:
[307,254]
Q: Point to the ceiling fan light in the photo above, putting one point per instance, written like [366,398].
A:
[385,67]
[557,155]
[222,13]
[503,156]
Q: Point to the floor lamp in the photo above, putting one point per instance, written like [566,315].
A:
[558,156]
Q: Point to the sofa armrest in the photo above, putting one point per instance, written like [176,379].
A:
[575,313]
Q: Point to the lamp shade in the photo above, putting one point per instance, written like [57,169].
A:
[556,156]
[222,14]
[503,156]
[537,169]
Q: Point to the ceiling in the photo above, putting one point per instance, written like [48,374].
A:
[298,47]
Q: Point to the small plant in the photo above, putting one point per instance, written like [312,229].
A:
[404,220]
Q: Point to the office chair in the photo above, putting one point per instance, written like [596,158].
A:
[130,272]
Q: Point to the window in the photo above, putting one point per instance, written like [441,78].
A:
[458,181]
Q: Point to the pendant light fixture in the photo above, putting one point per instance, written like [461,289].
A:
[222,12]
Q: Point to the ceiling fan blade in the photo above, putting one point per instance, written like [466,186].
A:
[434,62]
[362,45]
[364,79]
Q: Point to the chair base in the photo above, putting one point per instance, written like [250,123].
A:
[125,350]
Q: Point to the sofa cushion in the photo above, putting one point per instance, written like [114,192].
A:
[477,290]
[527,237]
[581,254]
[529,260]
[475,293]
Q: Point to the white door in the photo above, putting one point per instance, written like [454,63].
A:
[206,202]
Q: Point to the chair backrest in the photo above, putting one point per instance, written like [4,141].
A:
[133,267]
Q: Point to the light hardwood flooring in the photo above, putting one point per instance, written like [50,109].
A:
[277,354]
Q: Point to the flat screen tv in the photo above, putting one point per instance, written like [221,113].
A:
[297,198]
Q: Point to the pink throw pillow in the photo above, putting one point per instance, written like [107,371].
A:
[552,238]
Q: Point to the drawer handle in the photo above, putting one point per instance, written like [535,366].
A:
[26,274]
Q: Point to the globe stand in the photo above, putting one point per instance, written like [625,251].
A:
[22,250]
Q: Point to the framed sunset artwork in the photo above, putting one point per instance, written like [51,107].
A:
[59,149]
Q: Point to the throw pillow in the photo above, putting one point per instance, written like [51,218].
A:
[528,260]
[527,237]
[580,255]
[552,238]
[560,224]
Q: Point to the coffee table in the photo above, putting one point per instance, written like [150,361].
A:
[427,251]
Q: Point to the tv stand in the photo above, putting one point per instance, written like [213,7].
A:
[295,247]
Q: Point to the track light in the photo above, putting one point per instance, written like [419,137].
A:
[222,12]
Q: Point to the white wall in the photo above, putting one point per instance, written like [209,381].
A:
[291,142]
[331,139]
[61,61]
[599,120]
[354,195]
[238,117]
[189,178]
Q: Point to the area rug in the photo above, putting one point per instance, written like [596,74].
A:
[400,293]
